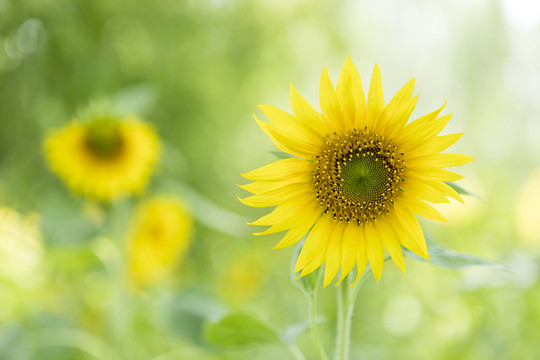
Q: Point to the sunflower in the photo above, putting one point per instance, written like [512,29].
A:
[357,175]
[105,157]
[159,236]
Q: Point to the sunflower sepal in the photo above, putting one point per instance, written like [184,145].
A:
[462,191]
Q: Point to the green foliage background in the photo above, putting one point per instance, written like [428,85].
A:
[197,70]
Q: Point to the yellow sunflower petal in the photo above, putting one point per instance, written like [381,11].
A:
[288,222]
[351,236]
[441,160]
[279,170]
[333,253]
[374,249]
[420,133]
[351,95]
[391,243]
[315,263]
[446,190]
[417,132]
[308,115]
[292,145]
[424,191]
[422,208]
[281,214]
[289,126]
[406,224]
[396,114]
[276,196]
[329,103]
[436,144]
[432,174]
[259,187]
[375,102]
[361,255]
[316,242]
[301,226]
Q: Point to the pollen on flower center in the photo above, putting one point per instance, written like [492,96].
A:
[103,138]
[357,176]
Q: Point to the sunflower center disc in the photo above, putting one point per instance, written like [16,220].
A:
[103,138]
[357,176]
[364,179]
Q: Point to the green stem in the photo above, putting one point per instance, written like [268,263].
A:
[312,299]
[344,314]
[295,351]
[346,299]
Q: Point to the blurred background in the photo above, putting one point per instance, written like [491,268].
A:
[197,70]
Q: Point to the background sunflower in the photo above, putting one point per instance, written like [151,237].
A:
[104,157]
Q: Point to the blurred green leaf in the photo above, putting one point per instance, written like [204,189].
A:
[450,259]
[241,329]
[95,346]
[462,191]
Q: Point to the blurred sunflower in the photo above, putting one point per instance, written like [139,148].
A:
[159,236]
[105,157]
[358,175]
[242,278]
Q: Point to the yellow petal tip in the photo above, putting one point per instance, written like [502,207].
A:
[242,186]
[279,246]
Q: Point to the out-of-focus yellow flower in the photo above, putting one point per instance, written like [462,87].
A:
[527,213]
[21,250]
[105,157]
[158,238]
[242,279]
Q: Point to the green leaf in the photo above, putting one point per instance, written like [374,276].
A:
[462,191]
[450,259]
[237,329]
[308,283]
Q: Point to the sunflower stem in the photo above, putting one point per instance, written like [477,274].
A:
[312,299]
[346,299]
[296,353]
[344,315]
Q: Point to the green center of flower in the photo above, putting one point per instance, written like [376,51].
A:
[364,178]
[103,138]
[357,176]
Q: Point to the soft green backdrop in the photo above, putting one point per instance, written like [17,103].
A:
[197,70]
